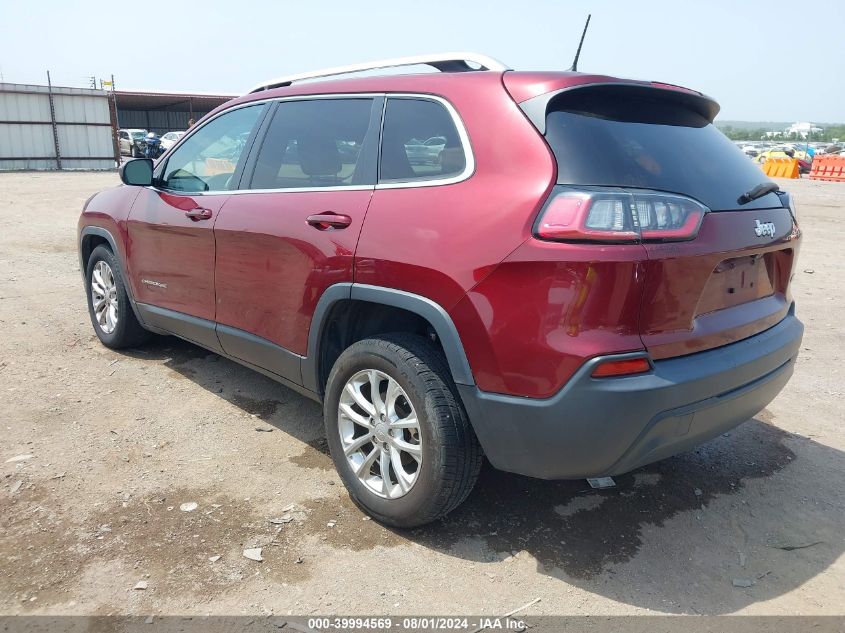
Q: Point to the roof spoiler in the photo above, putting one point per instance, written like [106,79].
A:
[537,107]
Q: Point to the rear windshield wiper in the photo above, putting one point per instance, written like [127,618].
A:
[758,192]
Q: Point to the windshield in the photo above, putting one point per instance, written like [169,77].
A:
[138,134]
[649,144]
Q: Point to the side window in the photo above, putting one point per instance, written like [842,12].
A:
[208,159]
[419,142]
[124,135]
[315,143]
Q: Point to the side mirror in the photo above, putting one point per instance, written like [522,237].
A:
[138,172]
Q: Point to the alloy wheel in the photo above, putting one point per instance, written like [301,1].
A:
[104,296]
[380,433]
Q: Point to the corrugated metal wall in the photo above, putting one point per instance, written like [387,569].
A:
[83,128]
[158,121]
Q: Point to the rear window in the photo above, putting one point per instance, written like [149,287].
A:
[419,142]
[602,138]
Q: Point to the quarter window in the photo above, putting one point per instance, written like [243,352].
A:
[316,143]
[208,159]
[419,142]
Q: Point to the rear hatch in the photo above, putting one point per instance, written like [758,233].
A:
[725,282]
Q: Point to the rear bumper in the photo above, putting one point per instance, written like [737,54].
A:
[595,427]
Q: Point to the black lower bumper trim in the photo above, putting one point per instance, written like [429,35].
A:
[608,426]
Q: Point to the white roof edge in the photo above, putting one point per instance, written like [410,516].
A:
[440,61]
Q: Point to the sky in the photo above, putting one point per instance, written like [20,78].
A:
[763,60]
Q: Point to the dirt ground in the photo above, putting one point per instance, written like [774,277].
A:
[118,441]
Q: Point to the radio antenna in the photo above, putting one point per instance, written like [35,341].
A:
[574,67]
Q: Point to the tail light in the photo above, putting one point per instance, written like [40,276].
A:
[619,215]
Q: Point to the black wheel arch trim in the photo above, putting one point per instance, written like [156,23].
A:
[99,232]
[310,367]
[422,306]
[83,264]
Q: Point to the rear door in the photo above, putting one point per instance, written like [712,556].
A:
[728,282]
[292,229]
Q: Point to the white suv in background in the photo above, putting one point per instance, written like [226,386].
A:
[169,140]
[126,139]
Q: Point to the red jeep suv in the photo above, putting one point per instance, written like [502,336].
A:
[571,274]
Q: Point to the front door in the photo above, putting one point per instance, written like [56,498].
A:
[292,229]
[170,228]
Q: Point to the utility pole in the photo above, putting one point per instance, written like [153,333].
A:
[115,125]
[53,122]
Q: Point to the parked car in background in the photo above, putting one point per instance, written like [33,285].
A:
[169,140]
[152,146]
[425,152]
[595,284]
[128,138]
[805,160]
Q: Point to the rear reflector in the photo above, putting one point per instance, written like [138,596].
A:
[621,367]
[619,215]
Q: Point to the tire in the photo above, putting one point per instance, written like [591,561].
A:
[124,330]
[450,455]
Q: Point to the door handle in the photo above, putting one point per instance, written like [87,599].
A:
[198,214]
[328,220]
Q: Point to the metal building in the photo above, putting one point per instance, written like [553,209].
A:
[50,127]
[162,112]
[44,127]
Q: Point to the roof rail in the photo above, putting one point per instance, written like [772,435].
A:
[444,62]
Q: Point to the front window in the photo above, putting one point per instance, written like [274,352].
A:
[209,158]
[137,135]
